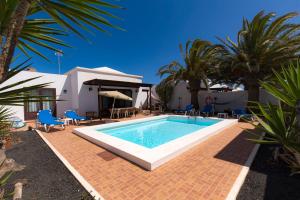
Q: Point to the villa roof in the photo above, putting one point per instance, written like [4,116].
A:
[109,70]
[105,70]
[116,83]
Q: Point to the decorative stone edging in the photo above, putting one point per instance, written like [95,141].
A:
[89,188]
[235,189]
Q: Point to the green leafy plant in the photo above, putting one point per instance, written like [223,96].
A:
[263,44]
[280,122]
[164,90]
[3,182]
[16,94]
[36,31]
[5,115]
[286,85]
[20,26]
[199,60]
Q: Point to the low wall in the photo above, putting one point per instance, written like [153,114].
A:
[225,100]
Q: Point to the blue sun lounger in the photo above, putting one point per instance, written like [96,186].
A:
[207,110]
[188,109]
[74,116]
[241,113]
[45,118]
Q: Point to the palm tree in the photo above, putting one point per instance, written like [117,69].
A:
[281,122]
[164,90]
[20,28]
[13,94]
[199,60]
[16,94]
[262,44]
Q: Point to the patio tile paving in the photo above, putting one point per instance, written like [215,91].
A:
[206,171]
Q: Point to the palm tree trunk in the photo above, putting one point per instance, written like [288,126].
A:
[194,99]
[194,89]
[253,92]
[13,32]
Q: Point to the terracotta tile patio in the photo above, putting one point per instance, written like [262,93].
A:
[207,171]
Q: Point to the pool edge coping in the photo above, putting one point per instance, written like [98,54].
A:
[150,159]
[87,186]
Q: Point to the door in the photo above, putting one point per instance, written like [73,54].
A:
[106,102]
[31,108]
[145,106]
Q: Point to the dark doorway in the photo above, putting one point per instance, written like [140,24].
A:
[108,102]
[112,83]
[31,108]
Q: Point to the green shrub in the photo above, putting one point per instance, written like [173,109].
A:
[280,122]
[164,90]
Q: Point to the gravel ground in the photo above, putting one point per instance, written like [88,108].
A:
[47,176]
[269,180]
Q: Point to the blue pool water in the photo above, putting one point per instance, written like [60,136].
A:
[153,133]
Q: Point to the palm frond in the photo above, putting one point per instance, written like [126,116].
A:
[61,17]
[289,83]
[263,44]
[17,93]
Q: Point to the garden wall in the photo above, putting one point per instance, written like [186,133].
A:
[225,100]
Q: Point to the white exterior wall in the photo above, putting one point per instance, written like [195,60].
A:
[180,91]
[78,96]
[141,98]
[266,97]
[85,100]
[233,100]
[59,82]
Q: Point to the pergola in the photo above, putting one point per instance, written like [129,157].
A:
[100,83]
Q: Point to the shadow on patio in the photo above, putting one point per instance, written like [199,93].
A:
[238,150]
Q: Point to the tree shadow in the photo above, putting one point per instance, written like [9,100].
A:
[239,149]
[107,156]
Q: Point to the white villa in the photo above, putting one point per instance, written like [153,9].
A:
[78,90]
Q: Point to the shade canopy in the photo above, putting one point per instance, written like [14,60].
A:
[115,95]
[114,83]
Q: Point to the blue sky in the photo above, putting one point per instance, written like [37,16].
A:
[154,29]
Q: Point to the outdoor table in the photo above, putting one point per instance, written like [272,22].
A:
[67,121]
[223,115]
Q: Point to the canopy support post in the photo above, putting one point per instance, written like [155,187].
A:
[150,100]
[99,102]
[112,109]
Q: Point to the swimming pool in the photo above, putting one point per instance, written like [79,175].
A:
[153,141]
[154,133]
